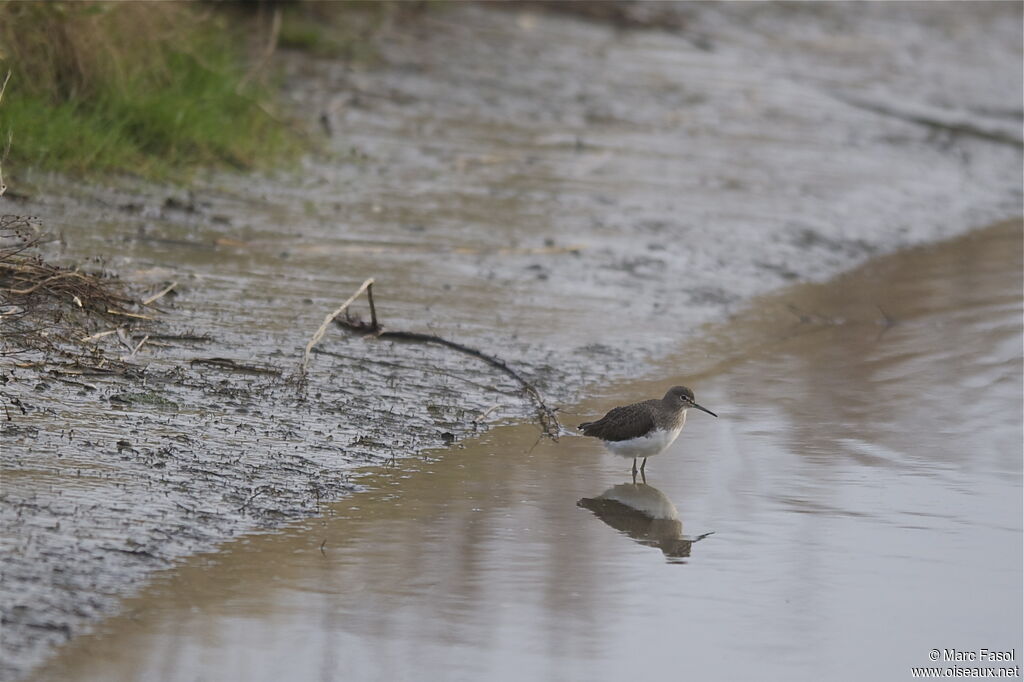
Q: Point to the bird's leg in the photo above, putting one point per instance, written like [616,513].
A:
[634,468]
[643,465]
[643,476]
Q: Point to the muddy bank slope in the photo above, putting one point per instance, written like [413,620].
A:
[575,196]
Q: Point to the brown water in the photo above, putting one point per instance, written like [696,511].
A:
[863,484]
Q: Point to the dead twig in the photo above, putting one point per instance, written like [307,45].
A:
[485,414]
[47,281]
[160,294]
[72,382]
[229,364]
[259,491]
[51,308]
[141,343]
[137,316]
[319,334]
[96,337]
[199,338]
[545,415]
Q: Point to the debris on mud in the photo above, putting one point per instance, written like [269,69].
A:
[546,417]
[55,309]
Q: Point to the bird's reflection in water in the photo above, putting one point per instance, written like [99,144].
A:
[645,514]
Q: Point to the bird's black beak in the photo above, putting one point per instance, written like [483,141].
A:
[704,409]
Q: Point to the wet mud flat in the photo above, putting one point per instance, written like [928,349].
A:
[833,492]
[570,196]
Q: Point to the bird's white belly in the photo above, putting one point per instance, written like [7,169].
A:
[645,446]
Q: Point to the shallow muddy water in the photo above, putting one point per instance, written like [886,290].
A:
[862,484]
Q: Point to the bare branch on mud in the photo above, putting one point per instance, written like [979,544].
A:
[545,415]
[160,294]
[330,318]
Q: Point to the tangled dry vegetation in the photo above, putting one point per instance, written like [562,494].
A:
[52,312]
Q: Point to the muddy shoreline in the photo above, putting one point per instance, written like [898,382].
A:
[506,558]
[580,206]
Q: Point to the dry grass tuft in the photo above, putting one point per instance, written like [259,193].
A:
[146,87]
[80,50]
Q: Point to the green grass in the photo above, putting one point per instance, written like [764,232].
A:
[94,90]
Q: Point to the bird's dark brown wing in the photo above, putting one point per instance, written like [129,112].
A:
[621,423]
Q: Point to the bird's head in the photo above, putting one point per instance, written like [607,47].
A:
[680,397]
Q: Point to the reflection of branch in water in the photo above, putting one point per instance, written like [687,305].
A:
[645,514]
